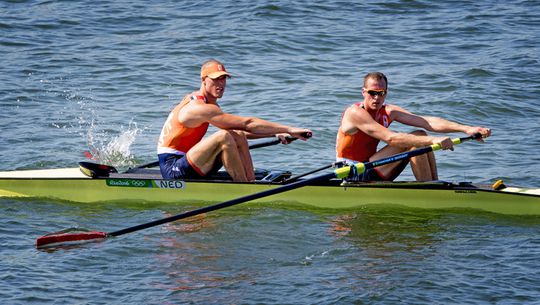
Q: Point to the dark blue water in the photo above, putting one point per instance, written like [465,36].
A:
[101,76]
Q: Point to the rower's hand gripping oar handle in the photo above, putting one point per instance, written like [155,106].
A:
[456,141]
[344,172]
[277,140]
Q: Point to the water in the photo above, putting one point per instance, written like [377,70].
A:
[80,76]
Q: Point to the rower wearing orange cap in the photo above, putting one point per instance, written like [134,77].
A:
[182,151]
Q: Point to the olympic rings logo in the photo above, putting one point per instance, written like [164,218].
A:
[138,183]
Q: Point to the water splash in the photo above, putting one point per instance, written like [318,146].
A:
[113,150]
[81,115]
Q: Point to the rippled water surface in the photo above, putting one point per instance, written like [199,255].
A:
[101,76]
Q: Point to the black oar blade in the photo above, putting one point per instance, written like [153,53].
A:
[95,170]
[68,237]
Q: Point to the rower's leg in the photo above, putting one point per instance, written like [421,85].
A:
[433,166]
[204,154]
[245,155]
[424,167]
[392,170]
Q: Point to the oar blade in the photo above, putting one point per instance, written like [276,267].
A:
[69,237]
[95,170]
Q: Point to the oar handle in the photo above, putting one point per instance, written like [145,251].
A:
[457,141]
[271,142]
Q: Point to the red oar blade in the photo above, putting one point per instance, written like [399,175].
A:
[68,237]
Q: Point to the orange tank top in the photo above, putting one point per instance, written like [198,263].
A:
[175,138]
[359,146]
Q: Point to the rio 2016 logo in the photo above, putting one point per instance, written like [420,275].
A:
[169,184]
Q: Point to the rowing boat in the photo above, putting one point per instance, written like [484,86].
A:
[146,185]
[330,191]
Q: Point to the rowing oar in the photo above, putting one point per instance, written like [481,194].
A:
[334,164]
[63,237]
[95,170]
[251,146]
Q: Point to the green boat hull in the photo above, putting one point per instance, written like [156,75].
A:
[330,195]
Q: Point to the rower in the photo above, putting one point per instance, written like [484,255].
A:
[182,151]
[365,124]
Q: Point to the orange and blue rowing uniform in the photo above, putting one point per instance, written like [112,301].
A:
[176,140]
[359,147]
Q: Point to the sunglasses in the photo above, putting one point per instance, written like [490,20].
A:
[376,92]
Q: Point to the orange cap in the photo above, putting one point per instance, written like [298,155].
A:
[213,69]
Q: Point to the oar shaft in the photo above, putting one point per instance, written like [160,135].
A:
[225,204]
[251,146]
[335,164]
[267,143]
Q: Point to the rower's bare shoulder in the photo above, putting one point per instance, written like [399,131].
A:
[201,107]
[355,118]
[195,113]
[354,111]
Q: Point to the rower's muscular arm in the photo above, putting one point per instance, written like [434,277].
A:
[430,123]
[359,119]
[255,127]
[436,124]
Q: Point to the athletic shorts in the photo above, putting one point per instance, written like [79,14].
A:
[174,166]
